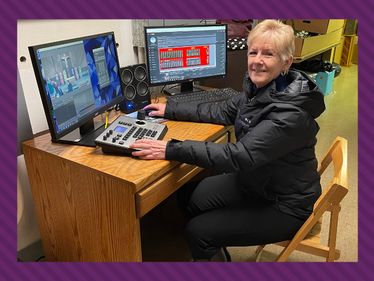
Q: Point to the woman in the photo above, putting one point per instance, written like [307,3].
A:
[269,179]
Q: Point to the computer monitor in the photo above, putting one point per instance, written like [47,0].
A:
[182,54]
[78,79]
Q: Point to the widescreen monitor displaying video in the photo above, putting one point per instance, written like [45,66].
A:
[78,79]
[182,54]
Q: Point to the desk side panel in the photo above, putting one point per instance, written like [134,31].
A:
[83,215]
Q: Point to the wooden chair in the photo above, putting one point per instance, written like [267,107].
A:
[307,239]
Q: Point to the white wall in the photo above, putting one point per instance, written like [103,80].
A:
[35,32]
[27,227]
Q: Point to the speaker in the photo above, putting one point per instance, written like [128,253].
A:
[135,87]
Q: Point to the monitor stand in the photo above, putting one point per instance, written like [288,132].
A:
[85,135]
[183,88]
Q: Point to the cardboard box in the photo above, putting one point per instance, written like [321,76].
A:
[355,55]
[355,51]
[316,25]
[348,50]
[350,27]
[315,44]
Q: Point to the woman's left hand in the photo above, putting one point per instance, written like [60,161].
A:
[149,149]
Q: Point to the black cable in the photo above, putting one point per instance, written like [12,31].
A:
[174,86]
[162,89]
[40,258]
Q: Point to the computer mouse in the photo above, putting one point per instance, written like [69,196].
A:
[156,119]
[147,111]
[143,114]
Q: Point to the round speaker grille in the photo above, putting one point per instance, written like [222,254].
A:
[130,92]
[142,88]
[126,76]
[140,73]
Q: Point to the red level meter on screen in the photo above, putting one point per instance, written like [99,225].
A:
[183,57]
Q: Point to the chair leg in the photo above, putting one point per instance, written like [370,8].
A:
[227,254]
[333,231]
[258,252]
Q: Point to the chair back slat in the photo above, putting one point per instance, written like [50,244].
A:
[337,154]
[335,191]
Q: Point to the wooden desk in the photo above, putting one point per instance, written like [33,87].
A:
[89,204]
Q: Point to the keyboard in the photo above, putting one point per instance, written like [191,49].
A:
[213,95]
[117,138]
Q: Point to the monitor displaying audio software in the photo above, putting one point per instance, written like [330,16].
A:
[182,54]
[78,79]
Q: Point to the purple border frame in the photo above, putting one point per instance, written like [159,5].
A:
[46,9]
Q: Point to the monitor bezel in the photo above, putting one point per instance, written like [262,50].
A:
[43,94]
[184,80]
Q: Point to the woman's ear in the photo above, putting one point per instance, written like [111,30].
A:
[287,63]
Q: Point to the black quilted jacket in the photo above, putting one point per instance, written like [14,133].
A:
[276,132]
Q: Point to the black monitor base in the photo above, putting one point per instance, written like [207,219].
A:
[183,88]
[85,139]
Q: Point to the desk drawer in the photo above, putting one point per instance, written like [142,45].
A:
[159,190]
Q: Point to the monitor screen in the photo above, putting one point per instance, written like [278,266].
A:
[77,79]
[182,54]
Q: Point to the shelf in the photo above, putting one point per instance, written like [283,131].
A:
[313,54]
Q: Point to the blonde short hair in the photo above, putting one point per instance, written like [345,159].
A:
[280,34]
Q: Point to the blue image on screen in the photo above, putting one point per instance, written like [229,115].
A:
[103,68]
[120,129]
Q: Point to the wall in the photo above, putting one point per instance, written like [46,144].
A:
[27,229]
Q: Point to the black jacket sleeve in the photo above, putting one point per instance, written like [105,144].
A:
[273,137]
[218,113]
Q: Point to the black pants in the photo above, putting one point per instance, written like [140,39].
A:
[222,214]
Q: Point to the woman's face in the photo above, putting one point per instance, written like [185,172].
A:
[264,63]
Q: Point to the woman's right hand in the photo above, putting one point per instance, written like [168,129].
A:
[156,109]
